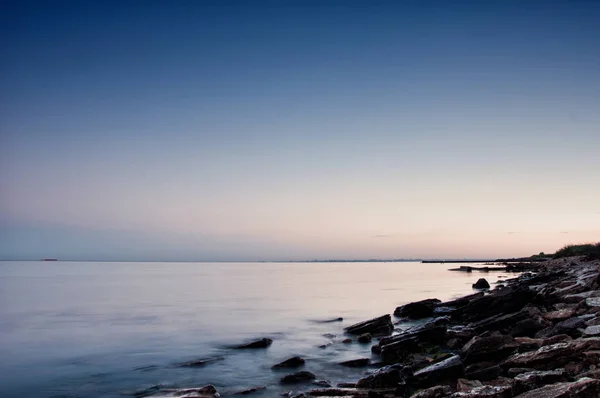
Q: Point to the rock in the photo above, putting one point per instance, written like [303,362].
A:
[512,372]
[262,343]
[461,301]
[381,326]
[536,379]
[322,383]
[552,356]
[347,341]
[593,302]
[486,392]
[464,385]
[592,331]
[483,371]
[569,326]
[386,377]
[208,391]
[396,348]
[447,370]
[417,310]
[251,390]
[488,347]
[199,362]
[527,327]
[365,338]
[356,363]
[497,322]
[323,346]
[507,300]
[582,388]
[298,377]
[346,385]
[340,319]
[481,284]
[293,362]
[434,392]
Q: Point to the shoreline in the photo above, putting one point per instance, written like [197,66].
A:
[535,334]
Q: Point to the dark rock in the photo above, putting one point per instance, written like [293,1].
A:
[250,390]
[447,370]
[208,391]
[552,356]
[365,338]
[395,348]
[486,392]
[417,310]
[199,362]
[507,300]
[380,326]
[481,284]
[298,377]
[347,341]
[512,372]
[497,322]
[346,385]
[293,362]
[262,343]
[323,346]
[488,347]
[559,315]
[582,388]
[322,383]
[569,327]
[434,392]
[483,371]
[386,377]
[461,301]
[527,327]
[356,363]
[465,385]
[340,319]
[536,379]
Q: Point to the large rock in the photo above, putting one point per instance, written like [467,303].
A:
[488,347]
[417,310]
[447,370]
[356,363]
[262,343]
[434,392]
[298,377]
[249,391]
[483,371]
[481,284]
[552,356]
[536,379]
[559,315]
[502,301]
[380,326]
[208,391]
[582,388]
[497,322]
[293,362]
[527,328]
[386,377]
[395,348]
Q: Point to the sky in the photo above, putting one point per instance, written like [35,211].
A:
[288,130]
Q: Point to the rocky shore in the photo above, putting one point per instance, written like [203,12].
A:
[537,335]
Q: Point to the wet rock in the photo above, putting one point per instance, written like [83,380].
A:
[347,341]
[417,310]
[582,388]
[208,391]
[323,346]
[434,392]
[536,379]
[464,385]
[251,390]
[483,371]
[293,362]
[199,362]
[486,392]
[262,343]
[356,363]
[340,319]
[386,377]
[322,383]
[381,326]
[365,338]
[448,369]
[481,284]
[488,347]
[298,377]
[507,300]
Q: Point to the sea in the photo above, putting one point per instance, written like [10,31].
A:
[121,329]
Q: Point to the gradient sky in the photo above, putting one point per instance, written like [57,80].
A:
[159,130]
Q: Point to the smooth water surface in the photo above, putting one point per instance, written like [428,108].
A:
[88,329]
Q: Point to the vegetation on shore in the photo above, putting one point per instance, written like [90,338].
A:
[590,250]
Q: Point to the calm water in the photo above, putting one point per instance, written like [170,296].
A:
[75,329]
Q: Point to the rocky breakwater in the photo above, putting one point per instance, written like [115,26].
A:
[538,336]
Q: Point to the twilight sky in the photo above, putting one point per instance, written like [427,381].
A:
[158,130]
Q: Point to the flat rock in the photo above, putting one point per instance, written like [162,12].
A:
[582,388]
[559,315]
[448,369]
[489,347]
[531,380]
[381,326]
[486,392]
[417,310]
[356,363]
[386,377]
[552,356]
[207,391]
[504,301]
[434,392]
[592,331]
[298,377]
[365,338]
[262,343]
[483,371]
[293,362]
[199,362]
[464,385]
[593,302]
[250,390]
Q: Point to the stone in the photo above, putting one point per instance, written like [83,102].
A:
[593,302]
[512,372]
[396,348]
[582,388]
[262,343]
[481,284]
[461,301]
[298,377]
[559,315]
[592,331]
[527,328]
[250,390]
[356,363]
[347,341]
[464,385]
[417,310]
[448,369]
[531,380]
[322,383]
[483,371]
[381,326]
[365,338]
[434,392]
[293,362]
[486,392]
[386,377]
[552,356]
[507,300]
[207,391]
[488,347]
[497,322]
[199,362]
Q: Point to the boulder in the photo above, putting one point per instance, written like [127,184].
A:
[507,300]
[481,284]
[395,348]
[488,347]
[447,370]
[434,392]
[262,343]
[365,338]
[298,377]
[356,363]
[347,341]
[417,310]
[582,388]
[381,326]
[293,362]
[386,377]
[536,379]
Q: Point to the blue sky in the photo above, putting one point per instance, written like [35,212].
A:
[288,130]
